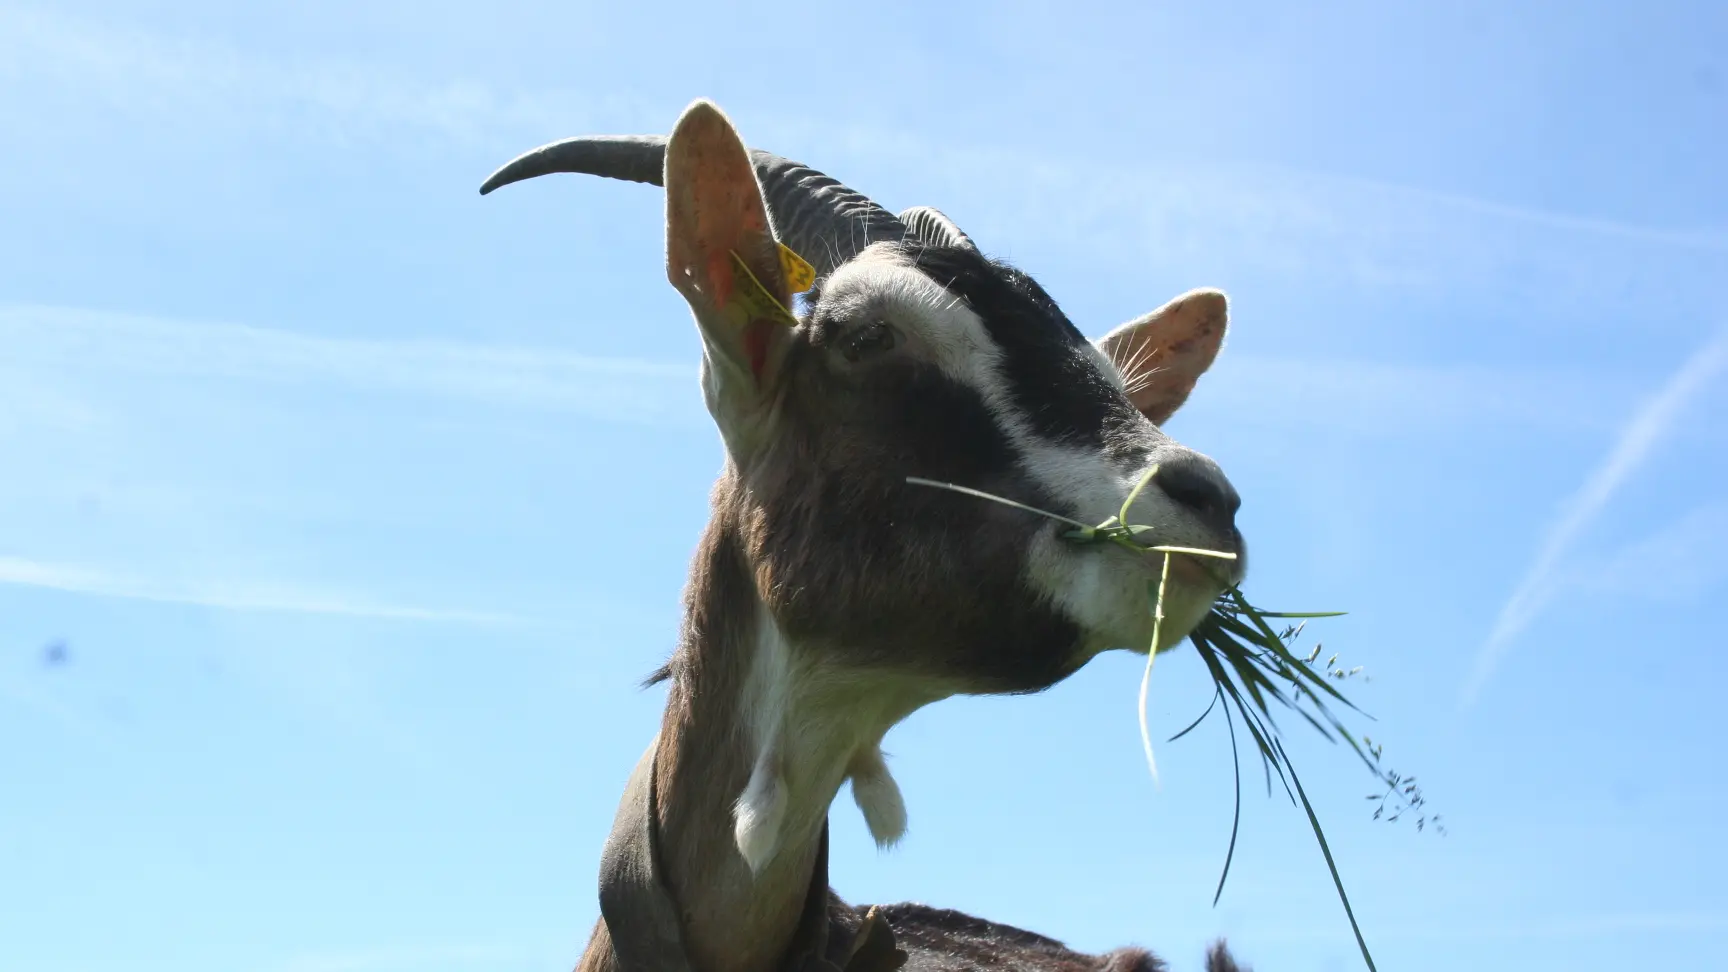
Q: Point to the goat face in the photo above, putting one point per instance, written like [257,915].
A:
[916,356]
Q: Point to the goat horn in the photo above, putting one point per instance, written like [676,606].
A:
[935,229]
[820,219]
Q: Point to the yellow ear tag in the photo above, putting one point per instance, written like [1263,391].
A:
[800,276]
[755,300]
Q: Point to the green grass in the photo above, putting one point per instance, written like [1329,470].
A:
[1253,670]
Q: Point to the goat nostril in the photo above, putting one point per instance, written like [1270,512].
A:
[1194,484]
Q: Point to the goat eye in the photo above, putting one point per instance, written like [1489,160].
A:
[873,338]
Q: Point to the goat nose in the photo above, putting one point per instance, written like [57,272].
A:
[1198,485]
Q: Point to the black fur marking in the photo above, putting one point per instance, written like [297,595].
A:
[1053,379]
[896,567]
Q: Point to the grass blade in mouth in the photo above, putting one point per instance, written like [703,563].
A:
[1331,865]
[1235,814]
[1248,661]
[1151,656]
[1195,724]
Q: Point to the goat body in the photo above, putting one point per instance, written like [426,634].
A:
[829,598]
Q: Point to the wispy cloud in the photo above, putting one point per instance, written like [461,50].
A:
[227,595]
[1546,574]
[1092,189]
[626,389]
[1216,218]
[1392,397]
[40,340]
[201,79]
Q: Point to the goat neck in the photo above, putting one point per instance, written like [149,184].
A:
[755,741]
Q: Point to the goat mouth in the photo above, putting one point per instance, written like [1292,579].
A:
[1222,565]
[1194,572]
[1219,566]
[1216,565]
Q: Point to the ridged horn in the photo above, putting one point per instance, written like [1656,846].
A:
[935,229]
[823,221]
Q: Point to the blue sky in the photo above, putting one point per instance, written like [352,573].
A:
[361,502]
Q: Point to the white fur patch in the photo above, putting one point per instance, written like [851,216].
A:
[878,797]
[810,727]
[759,814]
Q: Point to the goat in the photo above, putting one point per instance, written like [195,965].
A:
[829,598]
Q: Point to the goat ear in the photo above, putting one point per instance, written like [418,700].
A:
[1162,354]
[721,254]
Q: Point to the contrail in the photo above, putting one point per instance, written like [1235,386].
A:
[1581,509]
